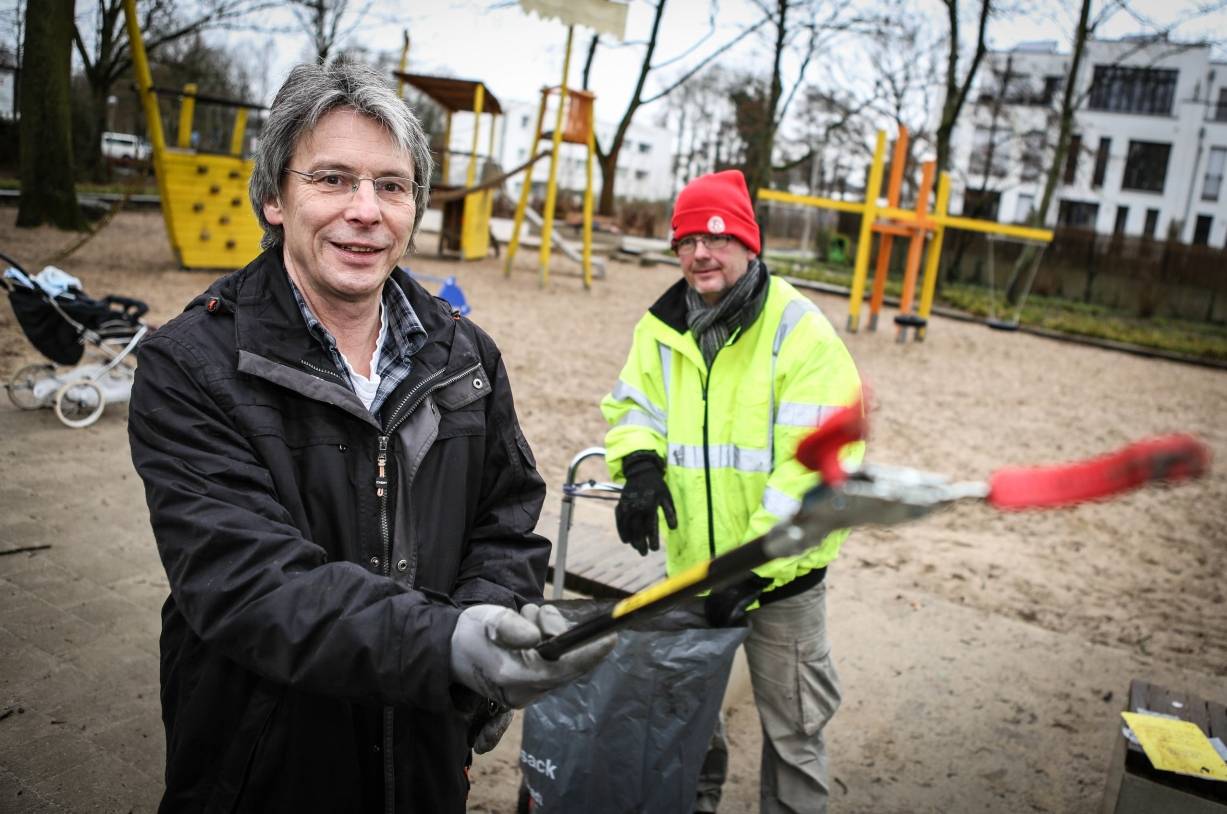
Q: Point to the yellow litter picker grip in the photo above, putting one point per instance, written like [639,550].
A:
[712,575]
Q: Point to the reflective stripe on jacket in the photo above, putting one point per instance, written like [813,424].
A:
[729,435]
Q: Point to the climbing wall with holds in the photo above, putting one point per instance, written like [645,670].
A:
[207,212]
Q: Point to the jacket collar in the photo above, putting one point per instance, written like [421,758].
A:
[671,307]
[269,325]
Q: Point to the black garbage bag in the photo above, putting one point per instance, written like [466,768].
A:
[631,735]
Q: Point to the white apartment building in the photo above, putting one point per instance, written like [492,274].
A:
[645,169]
[1148,150]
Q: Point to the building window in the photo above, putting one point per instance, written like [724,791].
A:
[1122,218]
[1201,232]
[1023,208]
[1052,84]
[1120,89]
[641,175]
[1213,182]
[1220,109]
[1077,214]
[984,144]
[1071,159]
[1101,161]
[1146,166]
[644,147]
[1034,146]
[981,204]
[1152,223]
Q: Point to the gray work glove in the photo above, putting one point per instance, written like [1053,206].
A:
[493,655]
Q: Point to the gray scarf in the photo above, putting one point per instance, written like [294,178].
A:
[712,325]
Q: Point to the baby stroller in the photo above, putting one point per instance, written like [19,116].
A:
[63,323]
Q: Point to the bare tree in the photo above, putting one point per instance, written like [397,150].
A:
[804,28]
[607,155]
[106,55]
[956,87]
[323,20]
[47,191]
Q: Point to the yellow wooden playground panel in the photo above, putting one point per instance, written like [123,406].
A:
[208,216]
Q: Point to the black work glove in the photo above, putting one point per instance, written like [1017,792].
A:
[727,606]
[645,492]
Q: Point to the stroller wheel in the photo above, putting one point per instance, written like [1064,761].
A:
[22,386]
[79,403]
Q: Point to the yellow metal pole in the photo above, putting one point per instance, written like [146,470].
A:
[929,287]
[404,62]
[479,98]
[240,128]
[869,214]
[153,120]
[525,189]
[855,207]
[187,111]
[447,148]
[588,202]
[144,80]
[551,186]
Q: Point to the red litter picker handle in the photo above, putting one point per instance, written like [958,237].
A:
[1163,458]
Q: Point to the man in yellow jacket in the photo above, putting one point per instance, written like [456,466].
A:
[728,371]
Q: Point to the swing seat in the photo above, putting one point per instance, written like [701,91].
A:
[1001,324]
[910,321]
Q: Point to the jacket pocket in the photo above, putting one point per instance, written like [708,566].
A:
[818,688]
[457,423]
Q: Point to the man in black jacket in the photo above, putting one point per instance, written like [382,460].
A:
[341,494]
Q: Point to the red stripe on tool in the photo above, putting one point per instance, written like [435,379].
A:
[1163,458]
[820,449]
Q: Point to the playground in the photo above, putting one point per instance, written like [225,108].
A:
[985,657]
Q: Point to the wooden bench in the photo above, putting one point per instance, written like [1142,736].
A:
[1136,787]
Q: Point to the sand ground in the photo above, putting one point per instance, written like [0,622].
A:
[984,656]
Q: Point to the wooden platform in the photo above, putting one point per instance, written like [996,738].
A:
[1136,787]
[598,564]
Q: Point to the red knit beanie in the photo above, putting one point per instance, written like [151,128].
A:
[717,204]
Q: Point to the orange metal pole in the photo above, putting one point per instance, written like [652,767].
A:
[916,246]
[897,160]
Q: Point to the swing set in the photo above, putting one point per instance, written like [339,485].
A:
[890,221]
[993,320]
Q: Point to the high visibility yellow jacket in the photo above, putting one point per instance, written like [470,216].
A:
[729,435]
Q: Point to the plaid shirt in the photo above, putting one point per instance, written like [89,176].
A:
[405,337]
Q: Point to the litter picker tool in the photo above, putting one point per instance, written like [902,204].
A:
[884,496]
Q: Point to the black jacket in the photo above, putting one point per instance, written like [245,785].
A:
[306,641]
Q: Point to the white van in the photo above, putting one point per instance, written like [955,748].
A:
[124,147]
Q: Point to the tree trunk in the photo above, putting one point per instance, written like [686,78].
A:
[1028,261]
[608,162]
[92,164]
[758,151]
[47,191]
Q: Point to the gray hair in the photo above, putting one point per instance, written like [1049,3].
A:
[310,92]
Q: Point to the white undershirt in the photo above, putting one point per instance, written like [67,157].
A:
[364,387]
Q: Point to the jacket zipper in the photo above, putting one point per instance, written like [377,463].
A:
[385,533]
[711,515]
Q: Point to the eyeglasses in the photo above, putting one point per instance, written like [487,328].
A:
[688,244]
[390,188]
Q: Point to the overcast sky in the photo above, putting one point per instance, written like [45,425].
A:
[515,53]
